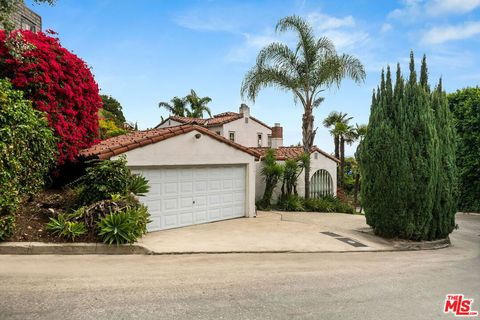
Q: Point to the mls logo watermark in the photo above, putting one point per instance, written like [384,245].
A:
[459,306]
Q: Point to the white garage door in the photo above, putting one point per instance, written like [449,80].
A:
[182,196]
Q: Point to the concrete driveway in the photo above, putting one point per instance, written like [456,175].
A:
[270,232]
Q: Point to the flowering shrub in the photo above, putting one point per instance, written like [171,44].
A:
[58,83]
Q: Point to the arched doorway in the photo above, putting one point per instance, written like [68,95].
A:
[321,184]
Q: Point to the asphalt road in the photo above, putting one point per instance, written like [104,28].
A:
[395,285]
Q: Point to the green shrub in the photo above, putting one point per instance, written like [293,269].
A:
[323,204]
[65,228]
[124,227]
[106,178]
[138,185]
[74,229]
[56,226]
[7,226]
[319,205]
[271,172]
[27,152]
[291,203]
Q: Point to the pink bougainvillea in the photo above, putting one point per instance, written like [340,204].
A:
[58,83]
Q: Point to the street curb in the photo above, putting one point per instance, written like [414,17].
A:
[37,248]
[405,245]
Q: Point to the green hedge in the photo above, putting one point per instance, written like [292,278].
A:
[27,152]
[323,204]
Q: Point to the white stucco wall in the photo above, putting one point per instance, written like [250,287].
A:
[315,164]
[186,150]
[246,133]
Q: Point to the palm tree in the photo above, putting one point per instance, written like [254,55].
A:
[330,122]
[346,135]
[361,131]
[177,107]
[308,70]
[197,105]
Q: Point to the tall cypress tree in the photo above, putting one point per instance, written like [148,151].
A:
[420,135]
[445,205]
[400,159]
[383,163]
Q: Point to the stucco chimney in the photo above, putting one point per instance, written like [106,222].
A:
[277,136]
[244,110]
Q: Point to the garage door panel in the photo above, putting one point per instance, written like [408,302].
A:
[184,196]
[186,218]
[186,202]
[169,221]
[170,204]
[214,185]
[200,186]
[214,214]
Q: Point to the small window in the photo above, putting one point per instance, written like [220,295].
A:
[269,140]
[316,156]
[246,120]
[217,132]
[259,139]
[26,24]
[231,136]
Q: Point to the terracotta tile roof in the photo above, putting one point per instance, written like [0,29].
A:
[284,153]
[216,120]
[121,144]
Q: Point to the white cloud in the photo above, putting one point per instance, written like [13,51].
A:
[203,23]
[346,39]
[410,10]
[341,30]
[437,35]
[439,7]
[413,9]
[321,22]
[251,45]
[386,27]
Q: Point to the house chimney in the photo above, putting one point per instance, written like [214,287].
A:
[244,110]
[277,136]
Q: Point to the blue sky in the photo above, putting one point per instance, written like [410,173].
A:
[145,51]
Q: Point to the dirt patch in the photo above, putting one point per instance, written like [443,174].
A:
[33,215]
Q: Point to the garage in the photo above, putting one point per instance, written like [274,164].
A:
[182,196]
[195,175]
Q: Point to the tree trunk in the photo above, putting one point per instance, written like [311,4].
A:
[336,141]
[342,159]
[308,137]
[357,185]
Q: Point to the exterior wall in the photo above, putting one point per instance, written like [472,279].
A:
[190,151]
[246,133]
[24,18]
[218,129]
[169,123]
[316,164]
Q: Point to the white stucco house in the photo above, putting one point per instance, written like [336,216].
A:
[205,170]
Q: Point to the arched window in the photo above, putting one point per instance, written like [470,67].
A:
[321,184]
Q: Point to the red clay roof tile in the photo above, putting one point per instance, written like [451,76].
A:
[216,120]
[284,153]
[120,144]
